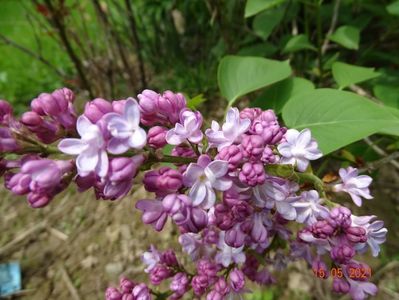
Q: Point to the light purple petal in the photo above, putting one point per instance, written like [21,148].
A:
[117,146]
[132,112]
[138,139]
[218,168]
[83,124]
[198,193]
[72,146]
[193,172]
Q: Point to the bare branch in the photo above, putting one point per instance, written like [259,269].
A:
[389,158]
[333,24]
[32,54]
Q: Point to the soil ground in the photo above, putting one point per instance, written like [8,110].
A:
[77,246]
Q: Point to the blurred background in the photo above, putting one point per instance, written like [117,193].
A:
[113,49]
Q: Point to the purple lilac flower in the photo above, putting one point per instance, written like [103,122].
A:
[151,258]
[112,293]
[298,149]
[153,213]
[265,124]
[375,232]
[227,255]
[199,283]
[141,292]
[5,112]
[179,284]
[309,208]
[237,280]
[126,285]
[360,289]
[122,170]
[188,129]
[7,141]
[90,149]
[231,131]
[279,193]
[357,186]
[125,130]
[203,177]
[191,243]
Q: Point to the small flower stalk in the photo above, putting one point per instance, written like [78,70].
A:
[233,191]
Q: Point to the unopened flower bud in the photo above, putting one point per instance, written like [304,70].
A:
[156,137]
[95,109]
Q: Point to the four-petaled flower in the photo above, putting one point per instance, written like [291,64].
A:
[125,130]
[227,254]
[356,186]
[309,207]
[231,131]
[298,149]
[189,129]
[90,148]
[203,177]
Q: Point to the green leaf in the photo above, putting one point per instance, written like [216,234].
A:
[240,75]
[265,22]
[196,101]
[347,36]
[256,6]
[388,94]
[278,94]
[336,118]
[346,75]
[297,43]
[392,130]
[393,8]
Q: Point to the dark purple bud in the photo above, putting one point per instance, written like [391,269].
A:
[340,217]
[37,200]
[222,287]
[207,268]
[250,267]
[7,141]
[159,273]
[356,234]
[232,154]
[31,119]
[163,181]
[211,236]
[156,137]
[340,286]
[252,146]
[199,219]
[199,284]
[235,237]
[5,112]
[113,294]
[250,113]
[322,229]
[124,168]
[268,156]
[237,280]
[179,284]
[259,231]
[141,292]
[342,254]
[223,216]
[169,258]
[358,271]
[252,174]
[96,109]
[126,285]
[183,151]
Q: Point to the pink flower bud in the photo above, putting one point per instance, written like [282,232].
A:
[113,294]
[94,110]
[156,137]
[5,112]
[237,280]
[252,174]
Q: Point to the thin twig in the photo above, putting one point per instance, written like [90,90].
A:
[137,43]
[69,284]
[333,24]
[387,158]
[32,54]
[362,92]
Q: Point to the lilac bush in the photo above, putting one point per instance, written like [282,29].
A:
[241,194]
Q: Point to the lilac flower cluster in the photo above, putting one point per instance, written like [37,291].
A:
[233,190]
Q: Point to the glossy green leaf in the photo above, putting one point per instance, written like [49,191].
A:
[275,96]
[265,22]
[391,130]
[297,43]
[393,8]
[388,94]
[336,118]
[254,7]
[346,75]
[347,36]
[240,75]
